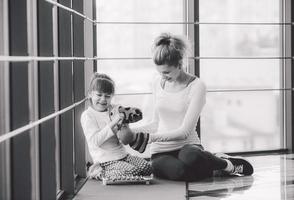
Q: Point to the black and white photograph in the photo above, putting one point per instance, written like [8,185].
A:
[146,100]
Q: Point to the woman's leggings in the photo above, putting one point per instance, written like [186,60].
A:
[190,163]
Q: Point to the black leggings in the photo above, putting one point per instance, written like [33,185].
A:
[190,163]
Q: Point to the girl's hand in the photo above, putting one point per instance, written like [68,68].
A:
[118,119]
[115,124]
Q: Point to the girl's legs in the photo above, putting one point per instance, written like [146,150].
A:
[143,166]
[118,168]
[128,166]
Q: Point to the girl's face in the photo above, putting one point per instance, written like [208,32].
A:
[169,73]
[100,101]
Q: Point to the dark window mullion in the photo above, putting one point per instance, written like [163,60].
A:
[197,50]
[66,99]
[46,103]
[79,91]
[94,35]
[291,137]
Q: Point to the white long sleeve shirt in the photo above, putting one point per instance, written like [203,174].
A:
[175,117]
[103,144]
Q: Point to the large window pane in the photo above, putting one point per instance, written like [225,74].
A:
[130,76]
[239,10]
[139,11]
[242,121]
[241,73]
[240,40]
[135,40]
[130,40]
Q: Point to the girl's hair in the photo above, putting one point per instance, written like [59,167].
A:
[169,50]
[101,83]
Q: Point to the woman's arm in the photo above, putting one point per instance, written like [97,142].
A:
[198,98]
[150,127]
[92,131]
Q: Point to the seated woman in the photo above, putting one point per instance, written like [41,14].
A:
[176,151]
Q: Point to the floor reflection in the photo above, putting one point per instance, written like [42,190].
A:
[221,187]
[273,179]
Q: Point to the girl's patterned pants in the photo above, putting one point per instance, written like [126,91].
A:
[128,166]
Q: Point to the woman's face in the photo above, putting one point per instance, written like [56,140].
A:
[100,101]
[169,73]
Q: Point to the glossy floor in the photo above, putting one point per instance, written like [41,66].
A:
[273,180]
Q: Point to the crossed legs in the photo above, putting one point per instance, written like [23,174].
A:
[190,163]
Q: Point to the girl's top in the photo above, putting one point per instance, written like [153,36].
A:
[175,116]
[103,144]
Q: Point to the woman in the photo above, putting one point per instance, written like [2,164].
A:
[176,151]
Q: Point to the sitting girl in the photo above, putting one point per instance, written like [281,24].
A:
[108,153]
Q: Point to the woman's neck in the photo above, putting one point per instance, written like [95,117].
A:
[182,78]
[179,84]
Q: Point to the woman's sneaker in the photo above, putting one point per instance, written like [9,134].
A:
[241,165]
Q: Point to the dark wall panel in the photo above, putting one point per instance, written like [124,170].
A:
[19,105]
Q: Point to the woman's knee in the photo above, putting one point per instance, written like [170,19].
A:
[191,155]
[168,170]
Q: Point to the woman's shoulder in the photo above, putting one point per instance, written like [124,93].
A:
[198,84]
[195,80]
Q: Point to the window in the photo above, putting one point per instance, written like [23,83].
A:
[247,114]
[121,35]
[242,120]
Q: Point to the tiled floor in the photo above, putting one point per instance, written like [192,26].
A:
[273,180]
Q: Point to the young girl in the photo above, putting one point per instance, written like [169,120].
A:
[104,146]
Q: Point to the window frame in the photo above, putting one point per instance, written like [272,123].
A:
[33,96]
[5,181]
[289,75]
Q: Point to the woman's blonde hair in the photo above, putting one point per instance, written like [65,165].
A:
[169,50]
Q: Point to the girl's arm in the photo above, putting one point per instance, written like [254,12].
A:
[198,96]
[94,133]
